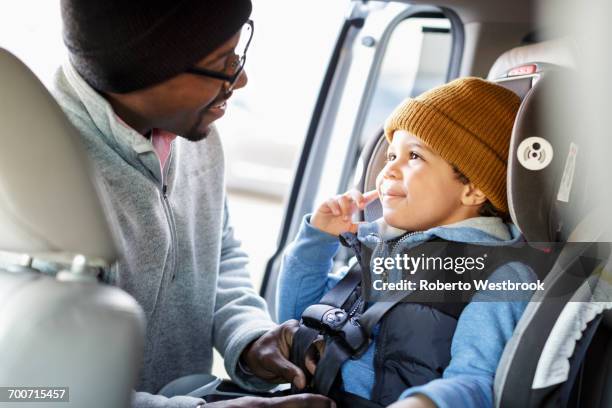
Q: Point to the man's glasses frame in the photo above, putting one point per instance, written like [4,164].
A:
[235,62]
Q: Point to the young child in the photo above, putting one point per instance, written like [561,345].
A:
[445,178]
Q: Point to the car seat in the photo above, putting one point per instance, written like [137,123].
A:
[545,207]
[561,352]
[64,330]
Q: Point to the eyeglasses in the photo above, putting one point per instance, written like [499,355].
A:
[235,63]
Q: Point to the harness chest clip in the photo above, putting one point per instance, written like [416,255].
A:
[336,322]
[325,318]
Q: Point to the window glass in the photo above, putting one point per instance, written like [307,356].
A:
[266,121]
[416,59]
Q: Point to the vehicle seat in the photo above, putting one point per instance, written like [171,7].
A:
[65,330]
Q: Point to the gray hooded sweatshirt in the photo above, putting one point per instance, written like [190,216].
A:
[180,261]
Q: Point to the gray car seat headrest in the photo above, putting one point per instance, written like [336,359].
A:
[548,174]
[49,205]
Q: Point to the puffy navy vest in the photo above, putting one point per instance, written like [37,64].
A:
[415,332]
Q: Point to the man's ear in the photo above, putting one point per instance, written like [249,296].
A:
[472,196]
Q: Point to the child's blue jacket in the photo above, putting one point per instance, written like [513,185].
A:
[483,328]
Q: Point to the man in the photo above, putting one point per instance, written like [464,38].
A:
[139,74]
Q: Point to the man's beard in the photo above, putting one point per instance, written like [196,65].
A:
[195,134]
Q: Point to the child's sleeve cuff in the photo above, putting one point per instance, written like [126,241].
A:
[458,392]
[313,245]
[430,391]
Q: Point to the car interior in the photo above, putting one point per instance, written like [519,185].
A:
[70,329]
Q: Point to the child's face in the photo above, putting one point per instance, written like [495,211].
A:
[418,189]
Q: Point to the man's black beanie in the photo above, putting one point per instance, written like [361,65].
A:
[125,45]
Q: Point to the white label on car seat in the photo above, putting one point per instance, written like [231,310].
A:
[568,174]
[535,153]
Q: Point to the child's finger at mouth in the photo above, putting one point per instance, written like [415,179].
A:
[370,196]
[356,196]
[348,205]
[334,207]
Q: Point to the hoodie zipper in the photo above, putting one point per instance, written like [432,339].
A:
[356,307]
[381,244]
[170,218]
[404,239]
[172,225]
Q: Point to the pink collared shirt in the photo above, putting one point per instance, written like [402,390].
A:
[162,142]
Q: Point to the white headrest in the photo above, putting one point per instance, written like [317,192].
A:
[558,52]
[49,206]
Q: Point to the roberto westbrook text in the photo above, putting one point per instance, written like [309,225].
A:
[407,285]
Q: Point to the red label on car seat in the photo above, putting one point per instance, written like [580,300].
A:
[523,70]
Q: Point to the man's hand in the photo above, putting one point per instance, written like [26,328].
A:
[334,215]
[268,356]
[291,401]
[415,401]
[313,354]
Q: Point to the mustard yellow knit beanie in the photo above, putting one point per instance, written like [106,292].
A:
[468,122]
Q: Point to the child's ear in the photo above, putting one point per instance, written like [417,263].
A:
[472,196]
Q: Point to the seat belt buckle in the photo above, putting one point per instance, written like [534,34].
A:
[325,318]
